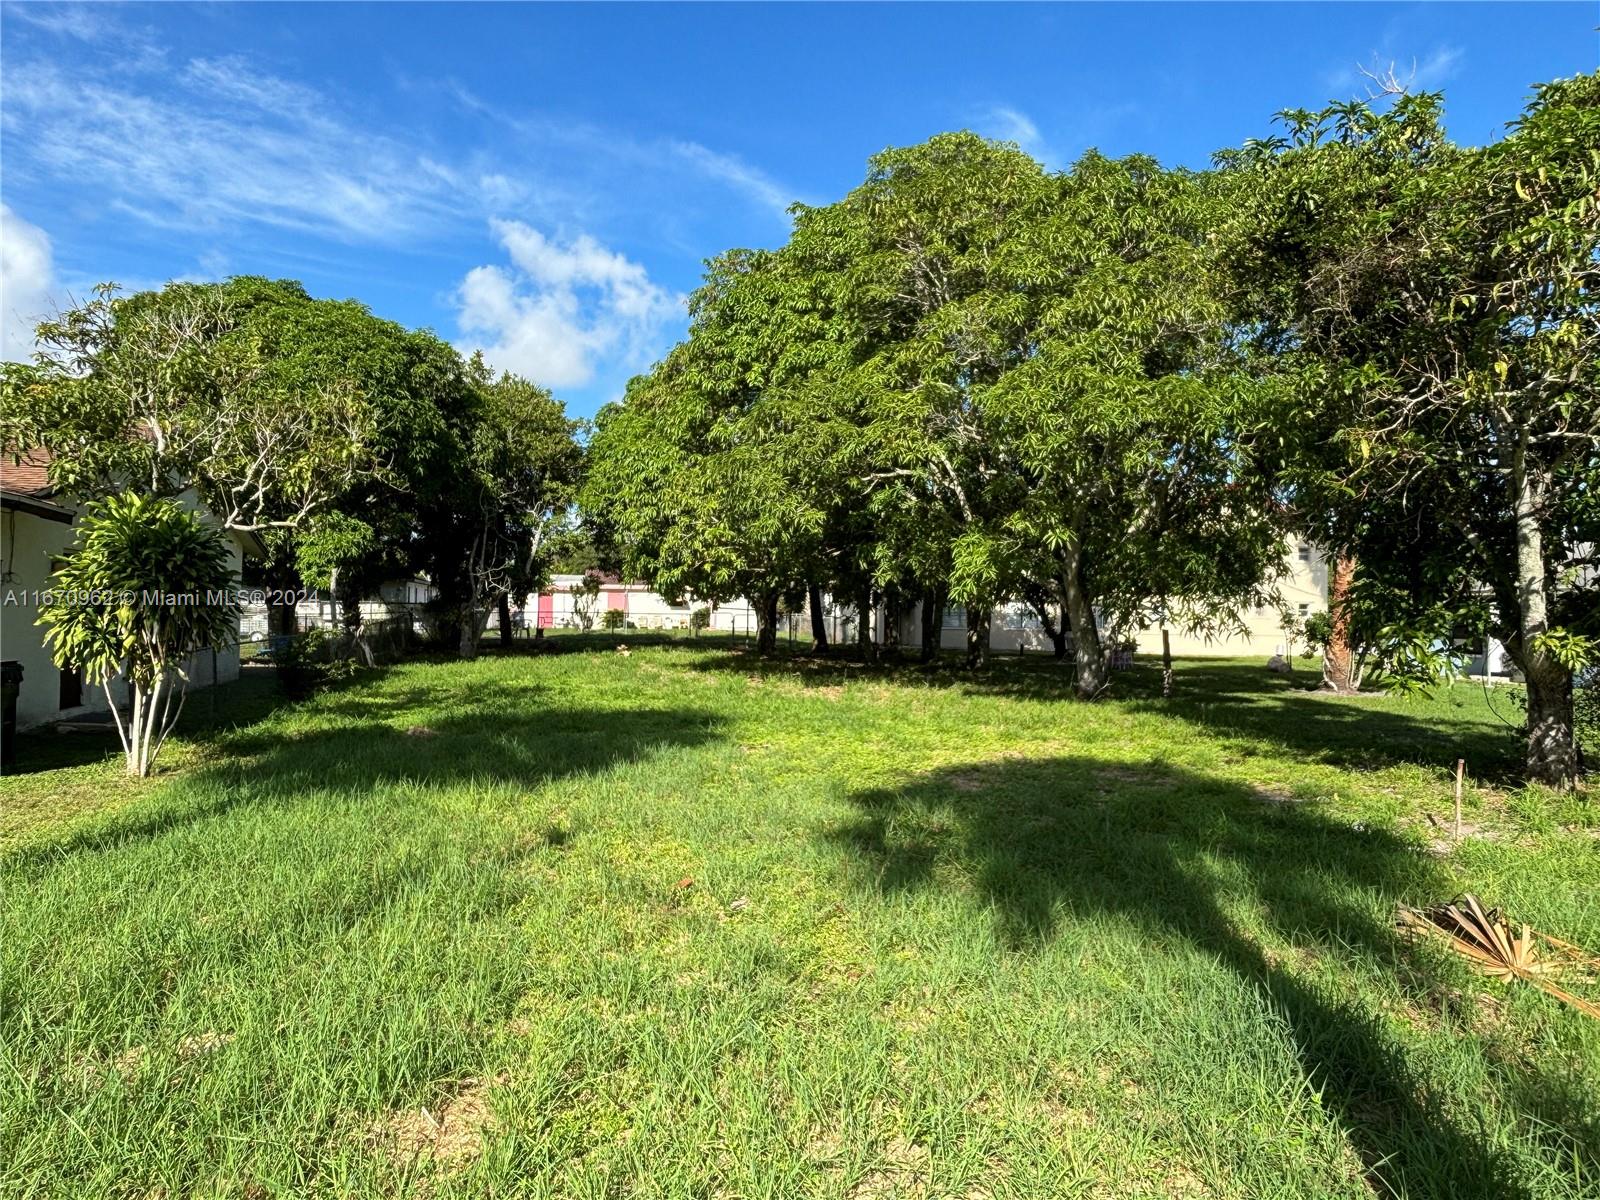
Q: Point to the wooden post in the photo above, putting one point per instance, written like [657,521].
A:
[1461,765]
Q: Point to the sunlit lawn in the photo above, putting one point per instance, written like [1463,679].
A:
[679,924]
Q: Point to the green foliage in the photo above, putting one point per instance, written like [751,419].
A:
[1431,310]
[1317,630]
[145,585]
[1586,717]
[308,660]
[585,595]
[700,619]
[968,376]
[508,491]
[250,392]
[613,618]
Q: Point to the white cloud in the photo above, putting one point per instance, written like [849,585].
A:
[561,307]
[209,145]
[1009,125]
[26,281]
[97,25]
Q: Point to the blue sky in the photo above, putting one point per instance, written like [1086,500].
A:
[544,181]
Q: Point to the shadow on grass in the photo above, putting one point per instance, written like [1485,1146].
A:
[207,713]
[1228,699]
[1202,859]
[490,743]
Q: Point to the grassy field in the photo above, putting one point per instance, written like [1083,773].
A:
[681,924]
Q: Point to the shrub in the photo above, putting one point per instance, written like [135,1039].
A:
[700,618]
[1317,630]
[614,618]
[145,585]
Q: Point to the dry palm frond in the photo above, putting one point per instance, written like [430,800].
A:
[1487,941]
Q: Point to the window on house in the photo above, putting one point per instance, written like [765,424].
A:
[955,617]
[1305,611]
[1305,554]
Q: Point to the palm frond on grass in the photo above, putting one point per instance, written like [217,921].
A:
[1486,940]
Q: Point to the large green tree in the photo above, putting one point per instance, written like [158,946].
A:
[487,534]
[1438,309]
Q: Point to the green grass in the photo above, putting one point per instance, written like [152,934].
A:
[683,924]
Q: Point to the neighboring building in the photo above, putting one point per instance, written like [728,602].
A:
[1303,588]
[1015,627]
[35,530]
[554,608]
[319,609]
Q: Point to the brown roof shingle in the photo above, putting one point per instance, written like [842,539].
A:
[25,473]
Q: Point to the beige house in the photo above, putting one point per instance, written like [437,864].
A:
[1015,627]
[36,528]
[1303,588]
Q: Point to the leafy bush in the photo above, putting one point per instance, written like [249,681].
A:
[145,585]
[700,618]
[614,618]
[302,662]
[1317,632]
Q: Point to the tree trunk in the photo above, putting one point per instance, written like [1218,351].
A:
[467,646]
[1166,663]
[349,612]
[869,648]
[350,620]
[767,624]
[932,622]
[1093,674]
[1056,634]
[504,606]
[281,615]
[1552,749]
[979,618]
[892,603]
[819,624]
[1338,658]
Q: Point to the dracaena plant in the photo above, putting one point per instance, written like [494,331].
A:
[145,586]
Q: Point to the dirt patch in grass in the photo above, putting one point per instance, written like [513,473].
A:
[901,1172]
[449,1133]
[1273,793]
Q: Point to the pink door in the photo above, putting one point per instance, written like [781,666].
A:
[547,610]
[616,600]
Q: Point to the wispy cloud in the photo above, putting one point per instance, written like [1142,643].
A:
[1065,141]
[663,156]
[1443,64]
[1007,124]
[560,306]
[230,146]
[727,168]
[99,25]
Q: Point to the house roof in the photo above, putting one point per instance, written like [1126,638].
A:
[26,473]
